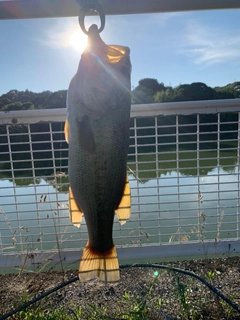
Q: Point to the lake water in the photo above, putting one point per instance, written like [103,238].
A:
[178,194]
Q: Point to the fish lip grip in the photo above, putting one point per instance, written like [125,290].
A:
[85,9]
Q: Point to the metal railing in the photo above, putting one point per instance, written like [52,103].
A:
[22,9]
[184,174]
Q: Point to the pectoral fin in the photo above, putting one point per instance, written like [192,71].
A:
[124,209]
[75,213]
[66,131]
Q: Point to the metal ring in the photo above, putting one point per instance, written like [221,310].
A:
[96,7]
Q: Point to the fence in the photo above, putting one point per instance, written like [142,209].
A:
[183,168]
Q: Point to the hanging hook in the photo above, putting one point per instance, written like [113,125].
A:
[86,6]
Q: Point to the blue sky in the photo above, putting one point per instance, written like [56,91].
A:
[174,48]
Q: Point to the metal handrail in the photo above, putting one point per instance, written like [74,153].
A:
[22,9]
[137,110]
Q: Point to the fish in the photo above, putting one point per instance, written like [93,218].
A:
[97,131]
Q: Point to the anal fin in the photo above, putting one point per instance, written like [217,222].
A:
[102,265]
[75,213]
[124,209]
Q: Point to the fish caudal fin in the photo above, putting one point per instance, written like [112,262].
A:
[102,265]
[124,209]
[75,213]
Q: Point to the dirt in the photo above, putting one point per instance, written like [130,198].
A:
[169,295]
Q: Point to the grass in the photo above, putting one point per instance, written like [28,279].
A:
[139,307]
[187,299]
[40,314]
[129,307]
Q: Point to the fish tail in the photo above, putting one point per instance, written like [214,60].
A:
[102,265]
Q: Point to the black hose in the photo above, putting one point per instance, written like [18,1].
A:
[137,265]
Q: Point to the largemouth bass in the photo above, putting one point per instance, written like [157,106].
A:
[97,130]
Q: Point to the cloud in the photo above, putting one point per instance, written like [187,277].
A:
[57,34]
[141,21]
[160,19]
[208,46]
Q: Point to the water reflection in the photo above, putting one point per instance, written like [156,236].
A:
[187,162]
[165,177]
[148,165]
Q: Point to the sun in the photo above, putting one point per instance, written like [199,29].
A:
[78,40]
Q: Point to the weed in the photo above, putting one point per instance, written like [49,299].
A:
[201,217]
[211,276]
[141,306]
[181,293]
[180,236]
[138,308]
[95,313]
[39,312]
[190,310]
[77,313]
[228,308]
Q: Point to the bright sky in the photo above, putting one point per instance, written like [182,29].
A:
[174,48]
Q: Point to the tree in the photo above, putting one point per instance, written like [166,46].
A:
[229,91]
[18,106]
[193,91]
[142,95]
[144,92]
[27,106]
[164,95]
[151,84]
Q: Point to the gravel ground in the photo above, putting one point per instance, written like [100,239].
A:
[173,295]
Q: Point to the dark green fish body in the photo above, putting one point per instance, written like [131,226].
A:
[99,99]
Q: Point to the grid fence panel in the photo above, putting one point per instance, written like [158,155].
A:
[183,169]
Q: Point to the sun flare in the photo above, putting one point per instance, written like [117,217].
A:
[78,40]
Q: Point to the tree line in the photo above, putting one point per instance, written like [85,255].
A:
[148,90]
[28,100]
